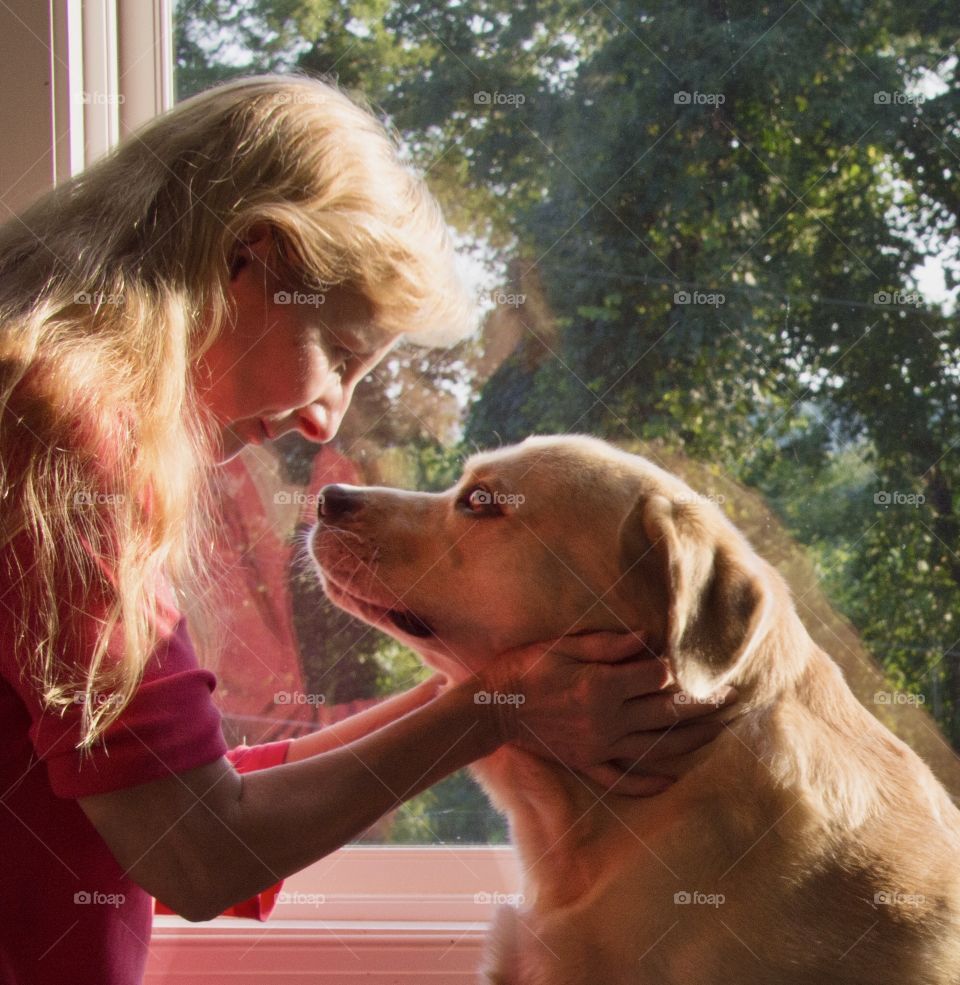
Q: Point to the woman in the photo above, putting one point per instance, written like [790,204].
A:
[148,334]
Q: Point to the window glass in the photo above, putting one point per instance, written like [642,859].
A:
[720,236]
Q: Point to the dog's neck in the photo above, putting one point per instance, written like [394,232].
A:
[776,666]
[551,805]
[567,829]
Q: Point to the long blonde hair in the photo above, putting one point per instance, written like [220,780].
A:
[111,286]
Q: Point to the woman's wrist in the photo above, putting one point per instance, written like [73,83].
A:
[472,701]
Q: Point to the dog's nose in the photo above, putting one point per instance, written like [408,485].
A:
[337,501]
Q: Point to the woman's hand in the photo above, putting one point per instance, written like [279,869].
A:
[601,704]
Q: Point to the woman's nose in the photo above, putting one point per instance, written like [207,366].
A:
[318,422]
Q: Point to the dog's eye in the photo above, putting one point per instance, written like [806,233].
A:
[480,501]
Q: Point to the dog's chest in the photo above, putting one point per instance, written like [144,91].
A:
[525,949]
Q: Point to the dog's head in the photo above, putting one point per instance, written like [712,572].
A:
[551,537]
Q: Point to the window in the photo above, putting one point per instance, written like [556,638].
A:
[726,240]
[692,274]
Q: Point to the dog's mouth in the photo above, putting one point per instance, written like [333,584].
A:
[405,620]
[410,623]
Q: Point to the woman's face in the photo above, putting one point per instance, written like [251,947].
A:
[289,359]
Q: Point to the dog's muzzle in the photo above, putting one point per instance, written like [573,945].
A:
[339,501]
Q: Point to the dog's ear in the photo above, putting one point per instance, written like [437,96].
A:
[696,582]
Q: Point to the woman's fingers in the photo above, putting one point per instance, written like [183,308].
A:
[665,708]
[591,702]
[615,780]
[637,678]
[641,750]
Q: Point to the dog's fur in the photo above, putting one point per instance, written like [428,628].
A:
[813,846]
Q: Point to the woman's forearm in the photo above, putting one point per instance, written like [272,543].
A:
[363,723]
[203,839]
[289,816]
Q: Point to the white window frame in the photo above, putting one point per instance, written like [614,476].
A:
[77,76]
[395,914]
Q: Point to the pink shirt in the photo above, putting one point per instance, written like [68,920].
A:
[67,911]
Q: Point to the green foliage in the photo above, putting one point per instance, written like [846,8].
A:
[455,811]
[398,666]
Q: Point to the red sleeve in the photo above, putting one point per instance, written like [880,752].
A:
[246,759]
[171,725]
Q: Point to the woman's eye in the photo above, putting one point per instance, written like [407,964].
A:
[340,358]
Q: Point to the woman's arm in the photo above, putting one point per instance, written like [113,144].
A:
[201,840]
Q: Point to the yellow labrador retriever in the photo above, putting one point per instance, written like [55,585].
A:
[807,844]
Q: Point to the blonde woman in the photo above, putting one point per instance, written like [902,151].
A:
[143,340]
